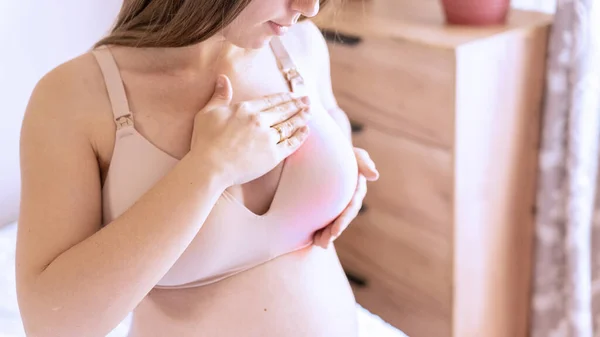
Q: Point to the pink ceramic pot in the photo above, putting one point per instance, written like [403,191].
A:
[476,12]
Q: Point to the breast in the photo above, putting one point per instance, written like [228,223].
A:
[317,183]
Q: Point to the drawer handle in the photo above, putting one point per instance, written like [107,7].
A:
[356,127]
[337,37]
[363,209]
[356,280]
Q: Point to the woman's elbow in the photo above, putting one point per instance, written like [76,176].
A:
[40,318]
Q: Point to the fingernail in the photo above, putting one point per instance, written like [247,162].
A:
[305,100]
[220,82]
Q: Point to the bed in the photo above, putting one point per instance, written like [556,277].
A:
[10,322]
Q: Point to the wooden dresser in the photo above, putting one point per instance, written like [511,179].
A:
[451,116]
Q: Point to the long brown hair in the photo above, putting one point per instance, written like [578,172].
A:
[172,23]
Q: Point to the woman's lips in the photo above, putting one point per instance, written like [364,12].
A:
[278,29]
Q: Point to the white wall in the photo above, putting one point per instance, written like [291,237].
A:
[36,36]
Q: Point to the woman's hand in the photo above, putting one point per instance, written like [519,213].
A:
[366,172]
[249,139]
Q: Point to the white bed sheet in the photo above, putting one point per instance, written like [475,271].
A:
[10,322]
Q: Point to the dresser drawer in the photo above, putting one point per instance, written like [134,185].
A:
[396,85]
[415,178]
[403,271]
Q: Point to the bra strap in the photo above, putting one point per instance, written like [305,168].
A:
[287,65]
[114,85]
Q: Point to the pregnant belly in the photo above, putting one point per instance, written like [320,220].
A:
[304,293]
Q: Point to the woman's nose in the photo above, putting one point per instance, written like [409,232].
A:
[308,8]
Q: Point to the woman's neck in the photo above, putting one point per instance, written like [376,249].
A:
[189,60]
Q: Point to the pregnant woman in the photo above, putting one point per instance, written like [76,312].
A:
[193,169]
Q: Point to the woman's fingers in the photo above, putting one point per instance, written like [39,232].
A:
[267,102]
[283,112]
[366,166]
[286,129]
[292,143]
[275,109]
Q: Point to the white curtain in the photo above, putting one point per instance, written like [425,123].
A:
[566,285]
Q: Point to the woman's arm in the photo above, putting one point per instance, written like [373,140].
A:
[73,278]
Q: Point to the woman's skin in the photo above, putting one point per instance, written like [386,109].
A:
[76,277]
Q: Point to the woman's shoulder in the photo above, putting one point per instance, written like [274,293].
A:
[73,82]
[307,31]
[306,39]
[72,93]
[308,48]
